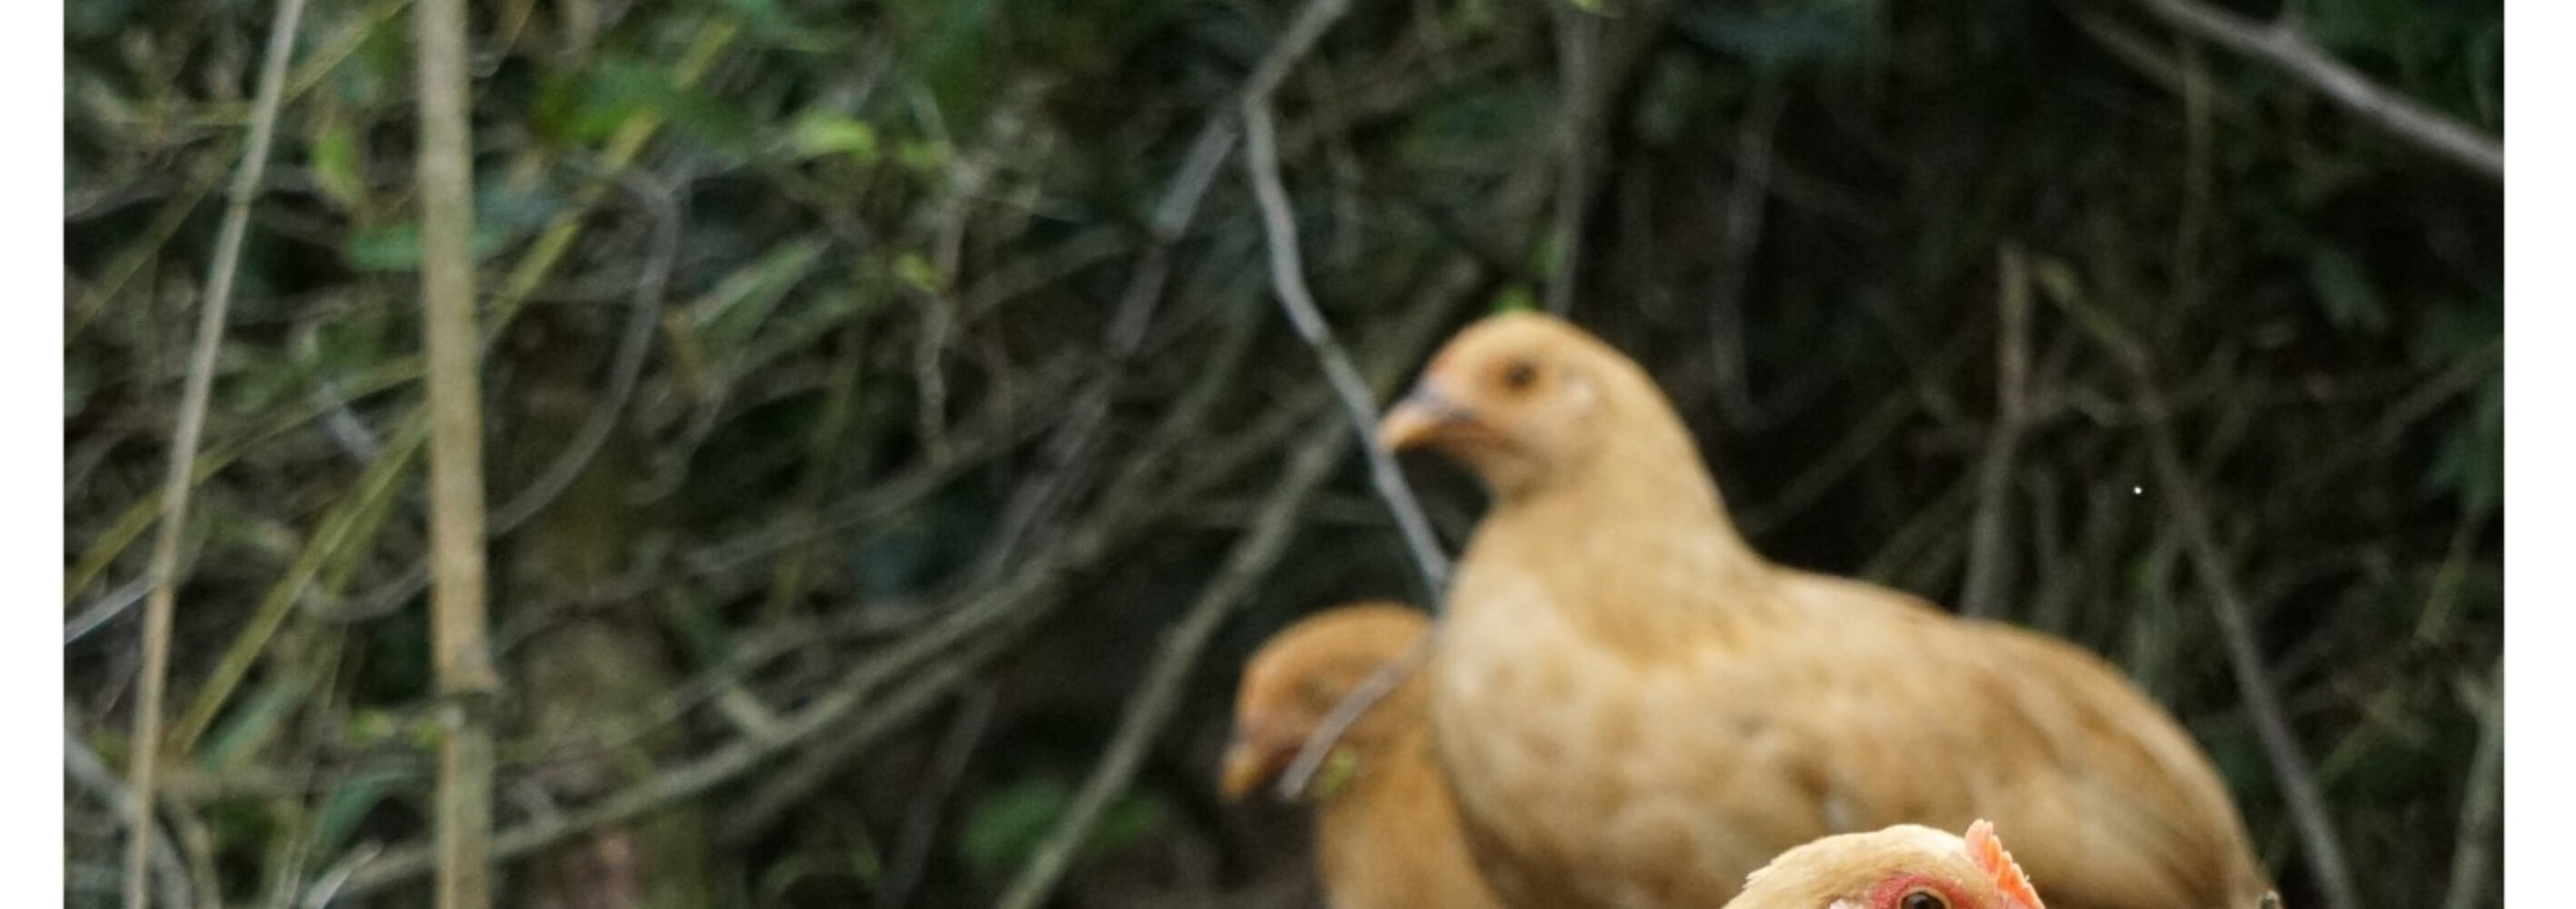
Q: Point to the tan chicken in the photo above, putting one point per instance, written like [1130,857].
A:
[1386,832]
[1902,867]
[1635,709]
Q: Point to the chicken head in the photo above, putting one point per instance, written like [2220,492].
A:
[1902,867]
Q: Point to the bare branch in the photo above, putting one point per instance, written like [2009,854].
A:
[142,777]
[85,769]
[1743,216]
[1328,732]
[466,680]
[1578,119]
[921,818]
[1287,272]
[2190,514]
[2288,49]
[1989,543]
[2481,799]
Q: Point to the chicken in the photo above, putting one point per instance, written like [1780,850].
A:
[1386,832]
[1902,867]
[1634,708]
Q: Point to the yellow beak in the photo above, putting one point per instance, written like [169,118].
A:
[1423,416]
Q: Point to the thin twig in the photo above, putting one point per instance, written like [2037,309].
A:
[1347,711]
[2182,498]
[1156,697]
[1578,113]
[1743,217]
[2287,48]
[1990,562]
[142,778]
[1287,272]
[85,768]
[106,609]
[2481,798]
[921,818]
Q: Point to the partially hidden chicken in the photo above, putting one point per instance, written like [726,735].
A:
[1906,866]
[1386,832]
[1634,708]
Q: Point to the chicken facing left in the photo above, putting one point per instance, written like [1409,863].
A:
[1386,830]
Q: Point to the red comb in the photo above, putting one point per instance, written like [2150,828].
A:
[1989,855]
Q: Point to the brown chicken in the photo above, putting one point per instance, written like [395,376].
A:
[1902,867]
[1635,709]
[1386,832]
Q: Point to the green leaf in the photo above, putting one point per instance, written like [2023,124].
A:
[1516,298]
[923,155]
[1128,821]
[768,20]
[368,728]
[334,164]
[349,804]
[587,106]
[2470,463]
[948,46]
[250,726]
[1005,826]
[818,133]
[916,271]
[397,248]
[729,313]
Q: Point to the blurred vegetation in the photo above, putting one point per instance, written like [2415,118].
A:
[864,408]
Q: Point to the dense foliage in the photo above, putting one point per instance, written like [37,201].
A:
[876,394]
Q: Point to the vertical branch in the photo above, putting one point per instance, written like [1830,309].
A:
[2481,799]
[1742,216]
[1578,46]
[1989,540]
[142,776]
[464,662]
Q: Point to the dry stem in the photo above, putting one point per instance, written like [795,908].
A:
[142,778]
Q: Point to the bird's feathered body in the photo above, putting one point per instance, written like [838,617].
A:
[1635,709]
[1386,830]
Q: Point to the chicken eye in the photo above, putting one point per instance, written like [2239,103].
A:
[1922,899]
[1520,375]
